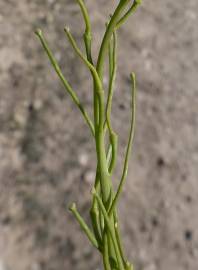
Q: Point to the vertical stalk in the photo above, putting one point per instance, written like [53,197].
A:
[100,149]
[107,36]
[106,262]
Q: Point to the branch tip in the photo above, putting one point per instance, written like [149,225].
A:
[72,207]
[67,29]
[38,32]
[133,76]
[138,2]
[129,266]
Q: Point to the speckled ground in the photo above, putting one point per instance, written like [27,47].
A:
[47,156]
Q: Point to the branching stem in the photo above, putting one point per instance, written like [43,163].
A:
[104,235]
[67,86]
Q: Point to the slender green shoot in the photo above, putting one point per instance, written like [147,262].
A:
[131,10]
[84,226]
[87,63]
[130,142]
[87,34]
[112,71]
[67,86]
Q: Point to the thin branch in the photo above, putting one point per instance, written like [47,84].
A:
[87,63]
[94,214]
[107,36]
[131,10]
[84,226]
[114,143]
[67,86]
[87,34]
[117,234]
[112,77]
[85,15]
[129,146]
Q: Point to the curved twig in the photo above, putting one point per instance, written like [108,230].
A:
[129,146]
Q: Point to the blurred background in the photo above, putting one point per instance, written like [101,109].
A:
[47,157]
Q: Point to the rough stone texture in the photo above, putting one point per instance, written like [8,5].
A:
[46,154]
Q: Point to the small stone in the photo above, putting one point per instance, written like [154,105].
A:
[20,119]
[38,104]
[160,162]
[30,107]
[188,235]
[83,159]
[154,221]
[188,199]
[122,107]
[89,177]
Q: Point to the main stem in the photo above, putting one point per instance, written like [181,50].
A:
[99,119]
[99,106]
[100,148]
[107,36]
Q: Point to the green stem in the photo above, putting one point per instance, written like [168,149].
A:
[117,233]
[87,34]
[110,229]
[131,10]
[84,226]
[87,63]
[100,145]
[106,254]
[130,142]
[107,36]
[67,86]
[95,212]
[112,76]
[105,235]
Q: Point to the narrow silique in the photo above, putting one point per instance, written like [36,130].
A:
[104,234]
